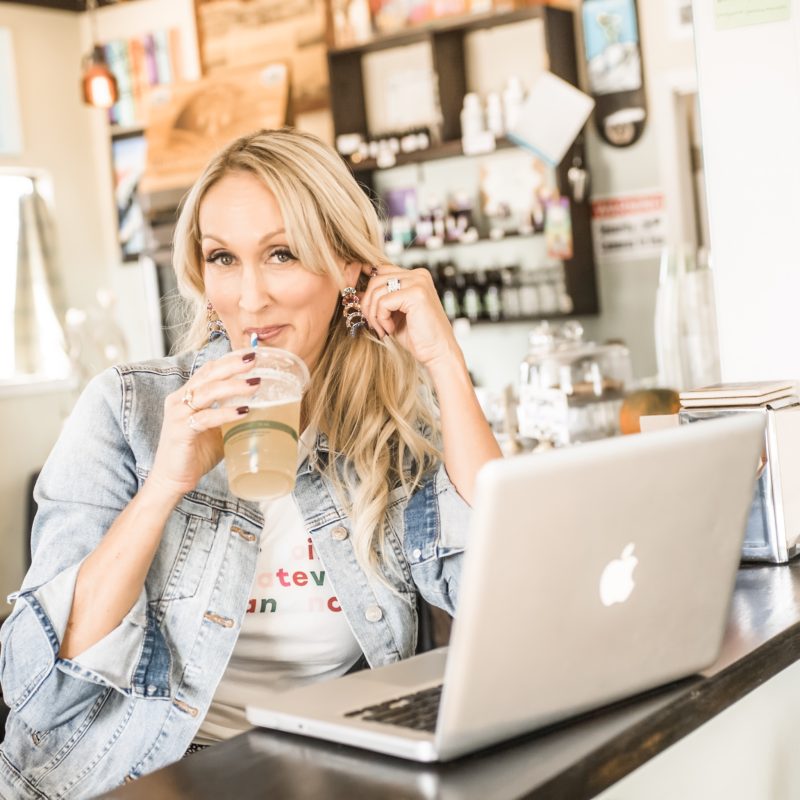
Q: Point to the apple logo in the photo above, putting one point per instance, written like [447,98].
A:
[616,582]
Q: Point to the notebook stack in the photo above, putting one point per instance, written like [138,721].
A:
[773,394]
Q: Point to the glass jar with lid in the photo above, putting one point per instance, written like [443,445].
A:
[571,390]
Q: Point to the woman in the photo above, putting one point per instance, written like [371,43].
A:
[156,598]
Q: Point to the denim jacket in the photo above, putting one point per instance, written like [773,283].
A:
[133,701]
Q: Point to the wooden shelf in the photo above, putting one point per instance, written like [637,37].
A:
[121,131]
[452,149]
[535,318]
[422,248]
[469,22]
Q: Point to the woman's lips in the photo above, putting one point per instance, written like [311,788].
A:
[265,334]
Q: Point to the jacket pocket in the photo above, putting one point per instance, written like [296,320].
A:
[182,556]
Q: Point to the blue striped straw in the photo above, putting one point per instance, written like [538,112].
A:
[254,340]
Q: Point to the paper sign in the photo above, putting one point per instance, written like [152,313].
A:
[558,229]
[738,13]
[551,117]
[629,227]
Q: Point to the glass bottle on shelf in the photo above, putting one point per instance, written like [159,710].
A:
[492,298]
[450,298]
[471,304]
[565,304]
[509,292]
[548,297]
[528,294]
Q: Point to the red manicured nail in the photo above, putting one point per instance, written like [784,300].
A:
[249,357]
[242,410]
[254,381]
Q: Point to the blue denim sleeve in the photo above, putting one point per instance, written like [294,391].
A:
[436,525]
[87,481]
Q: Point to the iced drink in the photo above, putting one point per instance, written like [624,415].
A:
[261,449]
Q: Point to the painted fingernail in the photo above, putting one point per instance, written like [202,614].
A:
[254,381]
[373,272]
[242,410]
[249,357]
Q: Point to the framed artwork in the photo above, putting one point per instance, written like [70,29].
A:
[234,33]
[128,159]
[190,121]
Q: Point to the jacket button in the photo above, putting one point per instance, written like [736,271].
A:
[373,613]
[417,554]
[339,534]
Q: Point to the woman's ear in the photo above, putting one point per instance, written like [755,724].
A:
[352,273]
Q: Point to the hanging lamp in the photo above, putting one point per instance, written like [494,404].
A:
[98,84]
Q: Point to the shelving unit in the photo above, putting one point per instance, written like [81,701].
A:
[447,42]
[452,149]
[483,240]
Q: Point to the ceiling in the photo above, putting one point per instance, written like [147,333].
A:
[63,5]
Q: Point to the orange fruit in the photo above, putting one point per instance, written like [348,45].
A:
[645,402]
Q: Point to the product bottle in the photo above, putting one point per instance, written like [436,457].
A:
[528,295]
[492,298]
[513,96]
[495,120]
[450,301]
[471,116]
[509,293]
[472,300]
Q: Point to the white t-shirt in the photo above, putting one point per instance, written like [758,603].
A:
[293,632]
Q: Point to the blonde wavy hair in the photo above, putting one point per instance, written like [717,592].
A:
[370,398]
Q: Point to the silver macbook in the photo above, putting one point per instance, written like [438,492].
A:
[592,573]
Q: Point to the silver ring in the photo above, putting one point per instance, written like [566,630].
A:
[188,395]
[192,422]
[393,284]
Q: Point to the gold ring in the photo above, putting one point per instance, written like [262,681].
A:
[188,395]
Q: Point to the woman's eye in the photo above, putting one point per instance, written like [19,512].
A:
[221,258]
[282,255]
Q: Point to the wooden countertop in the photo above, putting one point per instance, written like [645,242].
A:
[577,759]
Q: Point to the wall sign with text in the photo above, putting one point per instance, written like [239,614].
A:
[629,227]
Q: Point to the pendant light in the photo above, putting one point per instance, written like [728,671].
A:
[97,81]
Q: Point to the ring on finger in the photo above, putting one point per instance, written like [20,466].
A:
[192,422]
[188,396]
[393,284]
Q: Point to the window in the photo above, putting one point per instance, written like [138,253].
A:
[31,336]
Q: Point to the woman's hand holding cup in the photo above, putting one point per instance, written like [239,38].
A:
[190,444]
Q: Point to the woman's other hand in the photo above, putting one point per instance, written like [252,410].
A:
[403,303]
[191,441]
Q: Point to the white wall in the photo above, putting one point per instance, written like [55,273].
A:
[56,131]
[750,115]
[70,142]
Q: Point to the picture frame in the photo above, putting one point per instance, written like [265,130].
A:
[251,33]
[128,162]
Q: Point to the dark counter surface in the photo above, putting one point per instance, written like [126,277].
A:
[577,759]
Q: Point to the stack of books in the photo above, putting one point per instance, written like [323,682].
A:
[754,393]
[139,64]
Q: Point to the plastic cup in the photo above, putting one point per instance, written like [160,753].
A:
[261,449]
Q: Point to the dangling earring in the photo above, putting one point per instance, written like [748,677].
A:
[214,322]
[353,317]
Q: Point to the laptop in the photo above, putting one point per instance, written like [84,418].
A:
[592,573]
